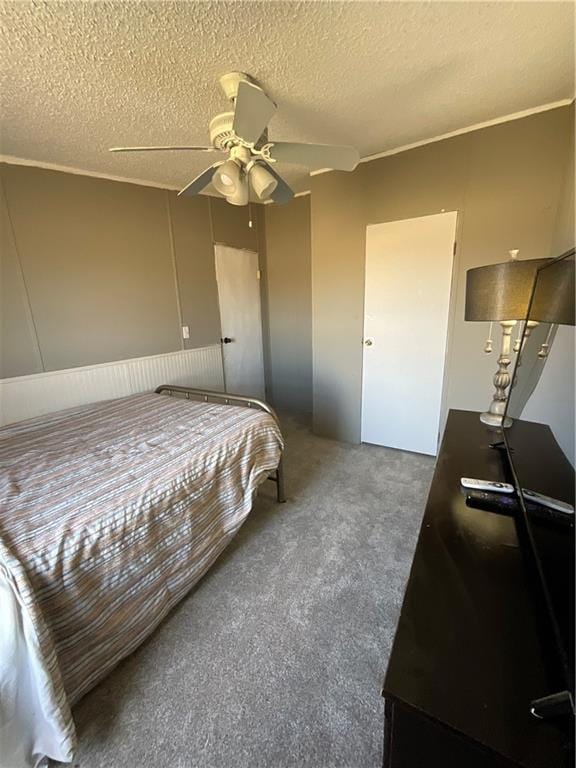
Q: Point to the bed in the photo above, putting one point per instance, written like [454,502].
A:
[109,514]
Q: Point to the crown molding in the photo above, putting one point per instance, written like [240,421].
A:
[11,160]
[296,194]
[459,132]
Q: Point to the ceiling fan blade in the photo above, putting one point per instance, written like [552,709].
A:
[162,149]
[252,112]
[282,194]
[201,181]
[316,156]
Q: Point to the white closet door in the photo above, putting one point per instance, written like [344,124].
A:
[238,277]
[407,297]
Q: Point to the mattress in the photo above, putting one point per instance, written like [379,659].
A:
[109,514]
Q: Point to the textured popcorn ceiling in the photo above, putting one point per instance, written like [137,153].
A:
[79,77]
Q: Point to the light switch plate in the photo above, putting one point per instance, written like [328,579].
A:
[185,332]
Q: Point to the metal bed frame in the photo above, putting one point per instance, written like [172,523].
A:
[208,395]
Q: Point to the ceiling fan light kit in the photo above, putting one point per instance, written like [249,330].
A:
[226,178]
[263,183]
[243,135]
[241,195]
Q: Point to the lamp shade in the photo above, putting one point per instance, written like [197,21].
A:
[553,300]
[501,291]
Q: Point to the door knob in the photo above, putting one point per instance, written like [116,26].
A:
[226,340]
[368,342]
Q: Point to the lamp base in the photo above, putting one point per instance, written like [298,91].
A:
[495,420]
[494,416]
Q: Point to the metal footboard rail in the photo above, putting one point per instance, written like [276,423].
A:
[224,398]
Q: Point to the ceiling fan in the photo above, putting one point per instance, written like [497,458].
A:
[243,135]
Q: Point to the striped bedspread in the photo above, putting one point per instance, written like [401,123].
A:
[109,514]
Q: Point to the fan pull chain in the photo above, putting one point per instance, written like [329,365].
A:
[488,345]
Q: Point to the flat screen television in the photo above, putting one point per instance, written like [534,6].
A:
[542,391]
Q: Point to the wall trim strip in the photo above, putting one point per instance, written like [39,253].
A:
[174,263]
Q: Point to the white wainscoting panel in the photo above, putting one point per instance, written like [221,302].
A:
[24,397]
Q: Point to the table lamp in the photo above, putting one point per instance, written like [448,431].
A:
[501,293]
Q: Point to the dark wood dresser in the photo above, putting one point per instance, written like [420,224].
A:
[471,650]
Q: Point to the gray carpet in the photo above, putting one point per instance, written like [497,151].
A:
[277,657]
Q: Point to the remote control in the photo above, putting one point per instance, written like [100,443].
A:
[505,504]
[499,503]
[546,501]
[486,485]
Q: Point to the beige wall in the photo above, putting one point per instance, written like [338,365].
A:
[231,224]
[289,289]
[338,242]
[565,226]
[506,183]
[194,262]
[95,256]
[94,270]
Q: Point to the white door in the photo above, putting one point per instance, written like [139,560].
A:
[407,297]
[238,278]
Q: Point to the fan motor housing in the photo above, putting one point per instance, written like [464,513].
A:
[221,133]
[230,82]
